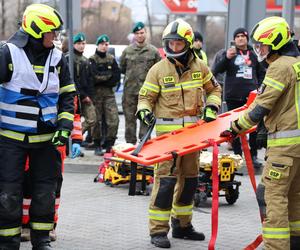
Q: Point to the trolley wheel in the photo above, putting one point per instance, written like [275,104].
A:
[200,197]
[232,195]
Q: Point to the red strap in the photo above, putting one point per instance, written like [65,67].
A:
[215,196]
[250,168]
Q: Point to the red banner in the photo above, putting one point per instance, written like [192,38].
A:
[181,6]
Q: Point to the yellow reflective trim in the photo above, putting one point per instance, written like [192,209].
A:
[159,215]
[150,86]
[58,69]
[244,123]
[273,83]
[173,89]
[10,67]
[67,89]
[283,141]
[41,226]
[214,99]
[65,115]
[295,226]
[40,138]
[167,128]
[12,135]
[297,101]
[182,210]
[38,69]
[10,232]
[207,78]
[276,233]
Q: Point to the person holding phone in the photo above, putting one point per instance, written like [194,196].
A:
[243,74]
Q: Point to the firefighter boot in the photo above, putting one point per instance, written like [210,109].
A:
[160,240]
[295,243]
[40,240]
[188,232]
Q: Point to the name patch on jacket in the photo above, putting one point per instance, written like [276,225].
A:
[169,79]
[196,75]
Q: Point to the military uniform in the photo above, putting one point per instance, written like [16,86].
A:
[280,99]
[135,63]
[106,75]
[177,101]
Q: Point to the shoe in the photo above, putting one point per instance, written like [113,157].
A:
[99,151]
[256,163]
[45,246]
[160,240]
[188,233]
[90,146]
[53,235]
[25,234]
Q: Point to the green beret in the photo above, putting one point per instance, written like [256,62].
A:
[138,26]
[102,38]
[80,37]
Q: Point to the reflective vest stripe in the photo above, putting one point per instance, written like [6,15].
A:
[150,86]
[159,215]
[10,232]
[295,226]
[66,115]
[19,108]
[204,57]
[68,88]
[41,226]
[31,139]
[214,99]
[49,110]
[12,135]
[244,123]
[284,138]
[18,121]
[38,69]
[207,78]
[40,138]
[276,233]
[273,83]
[182,210]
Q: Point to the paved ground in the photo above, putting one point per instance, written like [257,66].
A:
[95,216]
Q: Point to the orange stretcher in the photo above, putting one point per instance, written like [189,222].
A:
[185,140]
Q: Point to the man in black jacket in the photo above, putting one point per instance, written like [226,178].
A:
[36,116]
[106,75]
[243,74]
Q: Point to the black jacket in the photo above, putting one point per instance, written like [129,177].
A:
[236,87]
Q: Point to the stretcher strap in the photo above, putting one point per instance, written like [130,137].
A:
[215,196]
[250,169]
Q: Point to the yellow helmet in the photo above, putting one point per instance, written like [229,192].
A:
[39,19]
[177,30]
[273,31]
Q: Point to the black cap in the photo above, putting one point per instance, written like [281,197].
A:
[241,31]
[198,36]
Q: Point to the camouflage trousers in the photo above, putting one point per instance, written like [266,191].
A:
[90,118]
[106,108]
[129,104]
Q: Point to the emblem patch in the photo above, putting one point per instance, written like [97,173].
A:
[274,174]
[196,75]
[169,79]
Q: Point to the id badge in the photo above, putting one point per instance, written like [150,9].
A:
[247,73]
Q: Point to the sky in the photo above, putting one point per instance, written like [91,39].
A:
[138,8]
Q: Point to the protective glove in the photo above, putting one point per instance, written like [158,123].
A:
[229,133]
[262,135]
[76,150]
[209,114]
[60,138]
[146,116]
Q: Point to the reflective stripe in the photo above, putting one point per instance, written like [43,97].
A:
[182,210]
[68,88]
[295,225]
[284,138]
[40,138]
[66,115]
[26,211]
[41,226]
[26,201]
[207,78]
[276,233]
[177,121]
[214,99]
[159,215]
[38,69]
[49,110]
[296,67]
[19,108]
[12,135]
[183,85]
[244,123]
[150,86]
[18,121]
[273,83]
[10,232]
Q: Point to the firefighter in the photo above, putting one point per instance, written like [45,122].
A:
[173,93]
[278,104]
[36,116]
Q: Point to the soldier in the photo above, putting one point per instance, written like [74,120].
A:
[278,104]
[173,90]
[84,84]
[106,75]
[135,62]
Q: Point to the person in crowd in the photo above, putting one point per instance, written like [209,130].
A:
[197,46]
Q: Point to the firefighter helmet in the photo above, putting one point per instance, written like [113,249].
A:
[177,30]
[39,19]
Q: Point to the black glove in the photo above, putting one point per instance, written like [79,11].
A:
[209,114]
[146,116]
[262,135]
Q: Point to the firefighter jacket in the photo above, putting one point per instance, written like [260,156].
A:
[36,92]
[178,100]
[105,70]
[243,74]
[82,75]
[135,63]
[279,102]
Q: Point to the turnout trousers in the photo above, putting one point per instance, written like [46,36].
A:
[45,169]
[173,192]
[281,178]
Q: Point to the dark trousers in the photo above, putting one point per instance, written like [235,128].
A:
[45,169]
[236,144]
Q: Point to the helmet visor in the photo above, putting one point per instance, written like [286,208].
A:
[175,47]
[262,51]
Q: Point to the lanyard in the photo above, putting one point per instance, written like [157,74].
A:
[246,57]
